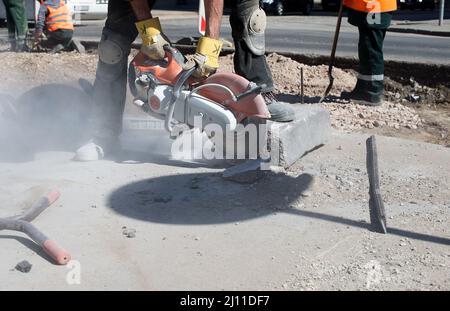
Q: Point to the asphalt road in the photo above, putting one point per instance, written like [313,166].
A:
[307,35]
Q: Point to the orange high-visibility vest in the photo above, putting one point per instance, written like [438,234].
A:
[59,18]
[372,6]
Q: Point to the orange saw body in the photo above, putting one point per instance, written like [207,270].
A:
[164,89]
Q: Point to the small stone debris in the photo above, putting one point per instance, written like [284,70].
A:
[23,266]
[129,232]
[413,98]
[306,194]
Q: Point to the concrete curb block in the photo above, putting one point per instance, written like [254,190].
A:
[290,141]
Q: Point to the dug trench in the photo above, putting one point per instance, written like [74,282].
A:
[417,96]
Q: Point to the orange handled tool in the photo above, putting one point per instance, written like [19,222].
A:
[23,224]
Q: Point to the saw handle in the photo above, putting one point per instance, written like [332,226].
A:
[253,90]
[185,75]
[165,70]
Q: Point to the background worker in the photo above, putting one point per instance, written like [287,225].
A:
[372,19]
[17,24]
[55,19]
[127,18]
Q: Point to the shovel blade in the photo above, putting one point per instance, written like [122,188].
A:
[327,91]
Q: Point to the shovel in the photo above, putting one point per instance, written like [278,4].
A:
[333,53]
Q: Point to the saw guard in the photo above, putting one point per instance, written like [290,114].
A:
[252,105]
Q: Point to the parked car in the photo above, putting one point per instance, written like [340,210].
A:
[88,9]
[81,9]
[281,7]
[427,4]
[330,5]
[416,4]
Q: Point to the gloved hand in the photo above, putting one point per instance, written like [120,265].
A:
[153,40]
[206,57]
[37,38]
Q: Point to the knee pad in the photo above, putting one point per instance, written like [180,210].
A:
[113,48]
[113,53]
[254,20]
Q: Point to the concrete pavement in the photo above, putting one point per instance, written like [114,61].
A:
[194,231]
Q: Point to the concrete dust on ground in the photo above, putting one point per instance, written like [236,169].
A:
[305,228]
[424,117]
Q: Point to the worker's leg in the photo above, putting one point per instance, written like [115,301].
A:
[249,59]
[60,37]
[111,77]
[19,25]
[369,87]
[371,62]
[110,84]
[11,25]
[248,24]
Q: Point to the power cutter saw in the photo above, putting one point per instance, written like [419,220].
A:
[166,91]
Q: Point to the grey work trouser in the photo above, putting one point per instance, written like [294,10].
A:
[16,19]
[111,79]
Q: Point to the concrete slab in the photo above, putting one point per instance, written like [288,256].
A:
[211,234]
[290,141]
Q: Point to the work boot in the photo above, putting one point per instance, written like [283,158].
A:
[57,48]
[96,149]
[362,98]
[20,46]
[367,93]
[279,112]
[12,44]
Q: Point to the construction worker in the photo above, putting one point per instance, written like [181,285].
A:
[55,19]
[248,24]
[17,24]
[372,17]
[127,18]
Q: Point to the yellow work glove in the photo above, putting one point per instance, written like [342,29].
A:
[206,57]
[153,40]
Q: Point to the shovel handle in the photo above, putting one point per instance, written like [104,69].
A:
[336,36]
